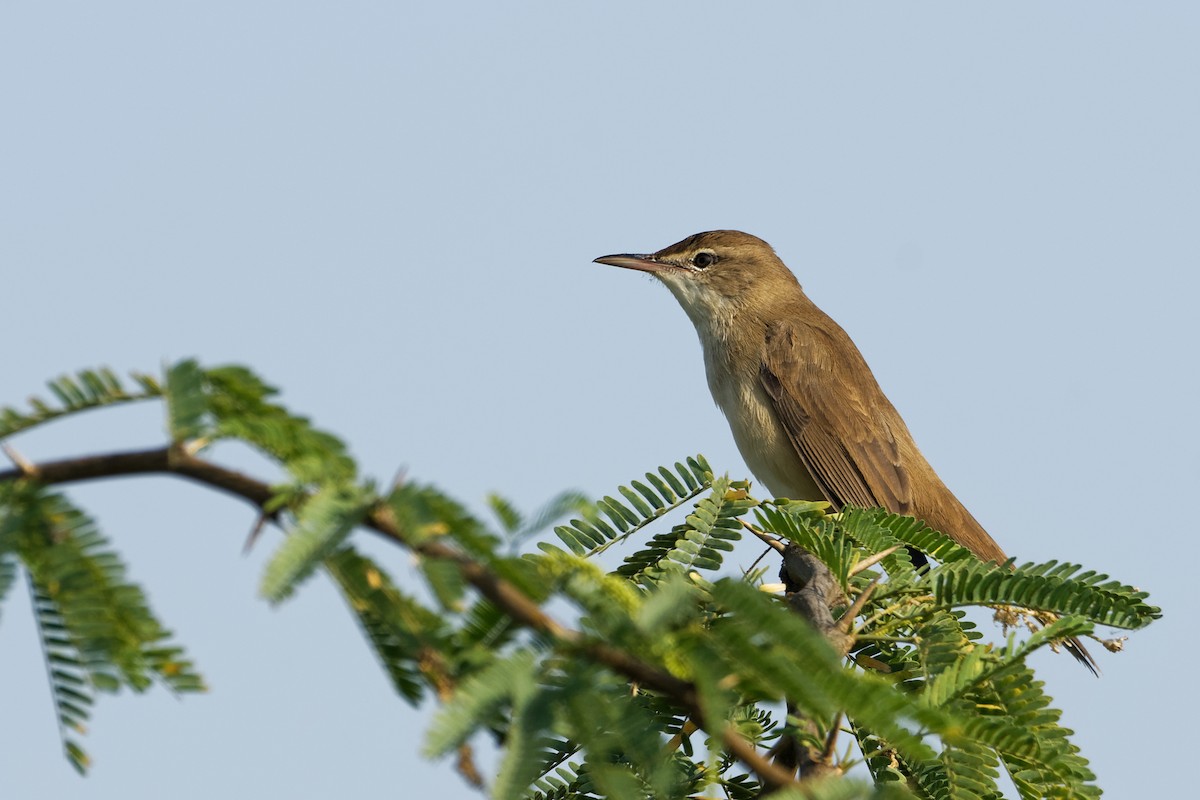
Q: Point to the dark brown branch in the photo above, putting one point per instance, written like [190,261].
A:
[161,460]
[176,461]
[812,593]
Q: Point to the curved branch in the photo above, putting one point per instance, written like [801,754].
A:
[160,460]
[176,461]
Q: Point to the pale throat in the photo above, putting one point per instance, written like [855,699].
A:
[731,364]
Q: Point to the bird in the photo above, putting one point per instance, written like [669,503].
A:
[806,412]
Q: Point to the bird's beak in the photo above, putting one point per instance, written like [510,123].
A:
[645,263]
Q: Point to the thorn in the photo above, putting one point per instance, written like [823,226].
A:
[259,524]
[465,764]
[831,740]
[194,446]
[398,480]
[847,619]
[774,544]
[871,561]
[27,467]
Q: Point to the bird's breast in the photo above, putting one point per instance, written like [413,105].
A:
[760,436]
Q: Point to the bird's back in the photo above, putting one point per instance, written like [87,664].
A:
[852,441]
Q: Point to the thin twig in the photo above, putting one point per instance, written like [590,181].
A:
[847,620]
[831,739]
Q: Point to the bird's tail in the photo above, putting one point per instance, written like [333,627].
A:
[1015,616]
[1073,645]
[1076,648]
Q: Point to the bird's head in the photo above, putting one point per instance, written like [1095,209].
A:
[716,273]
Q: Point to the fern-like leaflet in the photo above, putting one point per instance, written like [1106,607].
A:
[613,521]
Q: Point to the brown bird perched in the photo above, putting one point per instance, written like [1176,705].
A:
[807,414]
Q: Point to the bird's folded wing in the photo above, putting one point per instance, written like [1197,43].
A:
[836,417]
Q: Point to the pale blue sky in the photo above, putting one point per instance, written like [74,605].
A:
[391,211]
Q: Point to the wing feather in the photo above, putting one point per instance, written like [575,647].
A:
[836,417]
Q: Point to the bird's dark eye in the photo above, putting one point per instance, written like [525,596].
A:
[703,259]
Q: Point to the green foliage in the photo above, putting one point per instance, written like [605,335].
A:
[612,521]
[795,662]
[1055,587]
[105,617]
[500,683]
[635,684]
[517,529]
[557,776]
[240,409]
[401,631]
[808,527]
[712,528]
[88,389]
[187,401]
[876,530]
[836,788]
[927,673]
[322,523]
[1055,768]
[96,628]
[70,687]
[231,402]
[425,512]
[8,572]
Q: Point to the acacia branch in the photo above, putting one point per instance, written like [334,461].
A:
[177,461]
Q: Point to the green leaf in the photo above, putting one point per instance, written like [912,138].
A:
[8,570]
[238,401]
[697,544]
[906,530]
[673,602]
[494,686]
[187,401]
[324,522]
[825,539]
[1044,587]
[840,788]
[76,756]
[86,390]
[506,512]
[555,508]
[106,619]
[532,715]
[423,512]
[645,502]
[69,687]
[1058,770]
[777,653]
[96,628]
[446,581]
[407,638]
